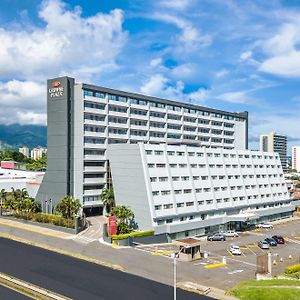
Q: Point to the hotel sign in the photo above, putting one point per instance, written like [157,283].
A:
[56,90]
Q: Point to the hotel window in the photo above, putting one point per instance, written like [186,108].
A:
[180,153]
[156,114]
[196,177]
[112,97]
[158,152]
[149,152]
[155,193]
[181,204]
[168,221]
[198,190]
[219,200]
[177,192]
[185,178]
[160,165]
[190,204]
[206,189]
[171,153]
[201,202]
[157,207]
[87,93]
[150,165]
[204,177]
[163,179]
[187,191]
[193,165]
[153,179]
[191,153]
[173,136]
[173,165]
[209,201]
[138,112]
[182,165]
[99,95]
[175,178]
[164,193]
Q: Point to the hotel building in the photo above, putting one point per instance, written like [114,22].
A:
[181,191]
[84,119]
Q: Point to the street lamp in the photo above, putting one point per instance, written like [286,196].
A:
[175,256]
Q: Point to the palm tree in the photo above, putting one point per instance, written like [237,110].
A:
[124,214]
[108,199]
[23,194]
[2,198]
[68,207]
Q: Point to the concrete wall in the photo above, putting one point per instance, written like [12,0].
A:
[56,183]
[129,182]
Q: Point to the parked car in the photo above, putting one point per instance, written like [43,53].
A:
[279,239]
[216,237]
[263,244]
[235,250]
[271,241]
[264,225]
[231,233]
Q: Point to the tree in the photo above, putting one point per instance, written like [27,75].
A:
[3,195]
[108,199]
[68,207]
[124,215]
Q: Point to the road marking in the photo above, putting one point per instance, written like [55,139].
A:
[229,252]
[29,289]
[234,272]
[214,266]
[200,263]
[243,262]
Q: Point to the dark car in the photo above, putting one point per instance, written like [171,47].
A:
[216,237]
[279,239]
[271,241]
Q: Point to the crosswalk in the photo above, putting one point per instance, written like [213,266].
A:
[84,239]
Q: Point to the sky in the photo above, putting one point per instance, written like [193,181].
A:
[230,55]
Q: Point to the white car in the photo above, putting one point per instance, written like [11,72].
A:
[231,233]
[235,250]
[265,225]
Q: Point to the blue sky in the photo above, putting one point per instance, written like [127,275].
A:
[231,55]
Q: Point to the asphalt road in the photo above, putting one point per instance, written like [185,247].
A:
[78,279]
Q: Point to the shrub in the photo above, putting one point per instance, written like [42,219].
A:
[132,234]
[46,218]
[292,269]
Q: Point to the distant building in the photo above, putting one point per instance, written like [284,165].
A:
[37,153]
[296,158]
[24,151]
[12,165]
[274,142]
[18,179]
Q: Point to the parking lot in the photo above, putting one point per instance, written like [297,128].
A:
[212,272]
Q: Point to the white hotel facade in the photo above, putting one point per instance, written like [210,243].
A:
[185,191]
[84,119]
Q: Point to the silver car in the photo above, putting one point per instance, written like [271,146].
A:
[263,244]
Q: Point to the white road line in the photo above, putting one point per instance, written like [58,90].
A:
[234,272]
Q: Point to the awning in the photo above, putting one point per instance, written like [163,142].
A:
[245,217]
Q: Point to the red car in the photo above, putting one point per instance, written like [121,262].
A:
[278,238]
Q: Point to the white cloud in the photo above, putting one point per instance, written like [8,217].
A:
[176,4]
[66,43]
[160,86]
[283,56]
[235,97]
[222,73]
[190,38]
[22,102]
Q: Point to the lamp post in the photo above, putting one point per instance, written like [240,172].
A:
[175,256]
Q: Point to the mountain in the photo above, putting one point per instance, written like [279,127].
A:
[15,136]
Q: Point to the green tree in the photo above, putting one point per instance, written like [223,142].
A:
[68,207]
[3,195]
[108,199]
[124,215]
[37,164]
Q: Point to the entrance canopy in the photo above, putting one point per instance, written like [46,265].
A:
[242,217]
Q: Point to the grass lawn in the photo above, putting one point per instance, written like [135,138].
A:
[266,290]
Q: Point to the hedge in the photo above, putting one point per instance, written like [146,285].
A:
[132,234]
[46,218]
[292,269]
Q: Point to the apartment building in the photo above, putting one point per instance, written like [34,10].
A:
[274,142]
[37,153]
[84,119]
[183,191]
[296,158]
[24,150]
